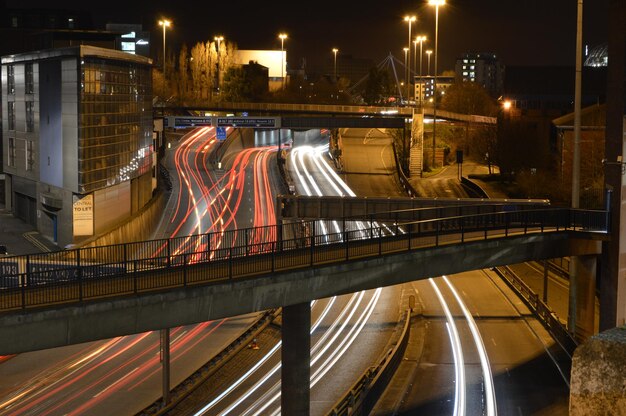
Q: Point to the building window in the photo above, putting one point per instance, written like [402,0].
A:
[10,79]
[11,158]
[70,23]
[15,21]
[11,114]
[30,79]
[30,116]
[30,155]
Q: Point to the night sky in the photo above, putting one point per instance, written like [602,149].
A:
[521,32]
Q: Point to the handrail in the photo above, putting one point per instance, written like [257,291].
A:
[82,274]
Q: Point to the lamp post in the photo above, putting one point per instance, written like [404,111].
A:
[410,20]
[282,37]
[428,53]
[406,57]
[165,23]
[421,40]
[435,3]
[335,50]
[219,40]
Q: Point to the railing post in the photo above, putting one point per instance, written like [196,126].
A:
[506,224]
[184,269]
[230,263]
[312,240]
[371,227]
[245,235]
[169,254]
[347,240]
[79,276]
[273,256]
[125,258]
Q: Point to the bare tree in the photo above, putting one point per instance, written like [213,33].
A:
[183,73]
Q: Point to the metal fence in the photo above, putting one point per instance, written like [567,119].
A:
[77,275]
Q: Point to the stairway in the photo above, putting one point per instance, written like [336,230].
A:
[416,159]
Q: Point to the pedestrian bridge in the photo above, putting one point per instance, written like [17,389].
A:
[79,295]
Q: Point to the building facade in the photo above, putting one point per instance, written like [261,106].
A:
[77,129]
[425,87]
[484,69]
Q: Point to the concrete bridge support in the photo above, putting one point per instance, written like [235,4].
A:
[582,296]
[296,360]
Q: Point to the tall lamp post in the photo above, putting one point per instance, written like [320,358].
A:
[428,53]
[406,57]
[219,40]
[335,50]
[282,37]
[435,3]
[421,40]
[410,20]
[165,23]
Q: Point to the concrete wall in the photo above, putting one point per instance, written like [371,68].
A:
[598,382]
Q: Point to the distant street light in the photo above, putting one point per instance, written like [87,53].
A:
[409,19]
[282,37]
[165,23]
[218,39]
[421,40]
[406,53]
[435,3]
[335,50]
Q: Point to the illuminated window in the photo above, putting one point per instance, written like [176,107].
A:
[10,79]
[30,155]
[30,116]
[128,47]
[11,115]
[11,158]
[30,81]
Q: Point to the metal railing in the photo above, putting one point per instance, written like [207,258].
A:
[78,275]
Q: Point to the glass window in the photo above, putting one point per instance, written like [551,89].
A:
[15,21]
[11,158]
[11,114]
[30,116]
[30,80]
[10,79]
[30,155]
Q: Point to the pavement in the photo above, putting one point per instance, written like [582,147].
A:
[20,237]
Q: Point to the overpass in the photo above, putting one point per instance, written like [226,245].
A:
[320,109]
[85,294]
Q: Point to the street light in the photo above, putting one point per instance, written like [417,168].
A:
[335,50]
[406,53]
[421,40]
[428,52]
[282,37]
[165,23]
[435,3]
[409,19]
[218,39]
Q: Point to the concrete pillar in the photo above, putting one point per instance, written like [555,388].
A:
[296,360]
[582,296]
[165,361]
[613,283]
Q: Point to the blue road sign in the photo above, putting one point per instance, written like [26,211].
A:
[220,133]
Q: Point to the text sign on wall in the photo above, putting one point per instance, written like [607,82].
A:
[258,122]
[83,215]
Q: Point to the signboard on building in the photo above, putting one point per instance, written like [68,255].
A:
[255,122]
[83,215]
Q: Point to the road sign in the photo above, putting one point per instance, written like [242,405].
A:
[186,122]
[220,133]
[254,122]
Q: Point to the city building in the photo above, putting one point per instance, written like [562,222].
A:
[130,38]
[274,61]
[425,90]
[77,150]
[482,68]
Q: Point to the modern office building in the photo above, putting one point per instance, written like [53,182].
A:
[482,68]
[77,128]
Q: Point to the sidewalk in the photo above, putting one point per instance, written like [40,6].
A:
[20,237]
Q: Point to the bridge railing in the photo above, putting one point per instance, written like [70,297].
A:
[125,269]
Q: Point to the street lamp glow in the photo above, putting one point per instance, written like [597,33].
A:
[282,37]
[436,4]
[335,50]
[421,39]
[409,19]
[165,23]
[506,105]
[428,52]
